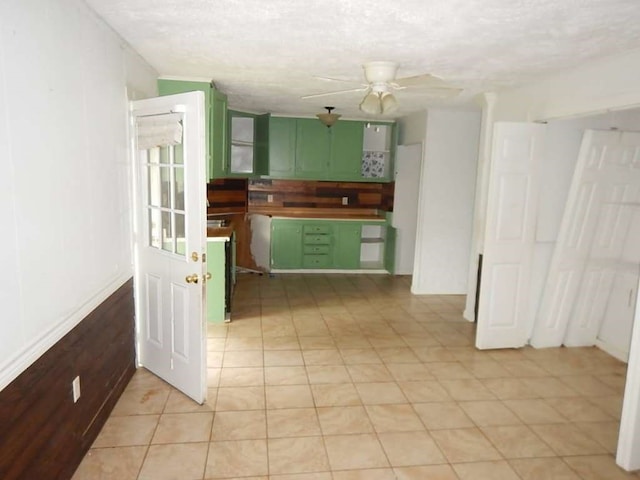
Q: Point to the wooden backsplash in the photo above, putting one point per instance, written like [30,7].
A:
[314,194]
[227,195]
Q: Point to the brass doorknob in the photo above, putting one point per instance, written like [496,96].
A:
[193,278]
[207,276]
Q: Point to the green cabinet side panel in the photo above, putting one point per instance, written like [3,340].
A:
[215,286]
[286,244]
[346,252]
[282,147]
[313,149]
[346,151]
[390,250]
[219,136]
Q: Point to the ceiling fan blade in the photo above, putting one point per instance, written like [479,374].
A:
[419,81]
[338,92]
[341,80]
[437,92]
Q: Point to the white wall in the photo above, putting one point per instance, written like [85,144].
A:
[445,205]
[65,187]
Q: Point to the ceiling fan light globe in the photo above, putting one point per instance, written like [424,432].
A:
[388,103]
[371,104]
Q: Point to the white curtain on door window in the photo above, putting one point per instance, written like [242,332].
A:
[159,130]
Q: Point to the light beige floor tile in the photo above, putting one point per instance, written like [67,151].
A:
[347,452]
[534,412]
[213,377]
[245,358]
[120,463]
[465,445]
[360,356]
[549,387]
[329,395]
[292,422]
[237,458]
[180,403]
[283,358]
[317,343]
[380,393]
[499,470]
[410,448]
[175,462]
[297,455]
[434,354]
[605,433]
[240,425]
[319,374]
[183,427]
[408,372]
[281,343]
[241,377]
[523,368]
[442,415]
[329,356]
[424,391]
[285,376]
[517,441]
[289,396]
[369,373]
[486,368]
[394,418]
[142,401]
[214,358]
[598,467]
[243,343]
[127,431]
[398,355]
[611,404]
[352,342]
[587,385]
[431,472]
[368,474]
[299,476]
[240,398]
[466,389]
[449,371]
[509,388]
[344,420]
[489,413]
[567,439]
[578,409]
[543,468]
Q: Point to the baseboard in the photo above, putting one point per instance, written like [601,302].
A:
[615,352]
[44,434]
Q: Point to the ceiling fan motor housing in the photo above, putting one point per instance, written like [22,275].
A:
[380,72]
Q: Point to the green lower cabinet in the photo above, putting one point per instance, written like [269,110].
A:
[346,251]
[286,244]
[390,250]
[216,284]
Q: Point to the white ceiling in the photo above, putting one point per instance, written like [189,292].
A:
[264,54]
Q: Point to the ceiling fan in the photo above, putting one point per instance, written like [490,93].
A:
[381,83]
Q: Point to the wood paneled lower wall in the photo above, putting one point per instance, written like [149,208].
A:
[43,434]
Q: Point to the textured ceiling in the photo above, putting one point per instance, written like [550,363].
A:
[264,54]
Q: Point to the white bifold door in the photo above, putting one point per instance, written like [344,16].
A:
[170,239]
[503,308]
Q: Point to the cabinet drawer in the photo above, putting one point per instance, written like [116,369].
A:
[316,249]
[316,261]
[313,239]
[317,229]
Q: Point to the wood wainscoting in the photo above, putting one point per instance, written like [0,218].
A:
[43,433]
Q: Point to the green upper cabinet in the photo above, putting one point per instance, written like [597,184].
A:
[313,149]
[346,151]
[219,143]
[261,164]
[215,120]
[282,147]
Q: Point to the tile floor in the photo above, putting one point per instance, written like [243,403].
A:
[350,377]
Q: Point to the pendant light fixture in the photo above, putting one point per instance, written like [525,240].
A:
[328,118]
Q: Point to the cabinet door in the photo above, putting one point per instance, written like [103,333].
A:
[219,140]
[286,244]
[282,147]
[346,151]
[390,250]
[346,249]
[171,87]
[261,166]
[242,140]
[313,149]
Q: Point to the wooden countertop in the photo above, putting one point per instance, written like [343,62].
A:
[219,232]
[322,213]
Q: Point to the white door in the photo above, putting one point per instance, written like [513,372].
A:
[503,309]
[593,232]
[405,215]
[171,239]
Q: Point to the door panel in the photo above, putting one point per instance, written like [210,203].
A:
[503,317]
[592,237]
[171,228]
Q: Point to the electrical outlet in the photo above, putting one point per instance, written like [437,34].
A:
[75,385]
[269,198]
[345,200]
